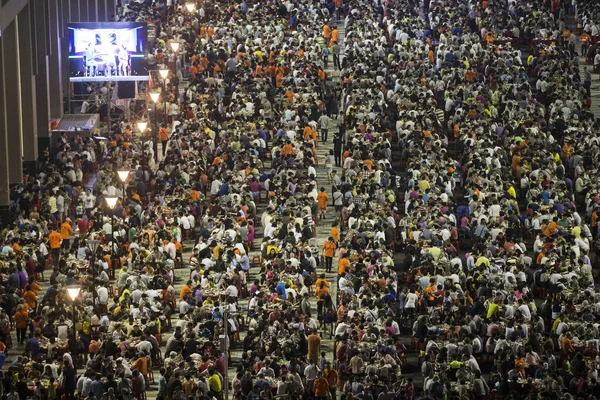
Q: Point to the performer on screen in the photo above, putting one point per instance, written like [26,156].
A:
[123,61]
[89,64]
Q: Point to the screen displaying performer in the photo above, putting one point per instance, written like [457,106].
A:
[101,50]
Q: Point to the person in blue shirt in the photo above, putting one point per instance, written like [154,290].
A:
[280,289]
[33,347]
[162,385]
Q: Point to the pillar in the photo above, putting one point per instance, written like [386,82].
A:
[12,101]
[92,10]
[41,49]
[4,185]
[28,90]
[74,11]
[54,64]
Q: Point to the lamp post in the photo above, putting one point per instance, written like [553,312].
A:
[164,73]
[73,293]
[111,202]
[155,96]
[124,173]
[175,47]
[93,244]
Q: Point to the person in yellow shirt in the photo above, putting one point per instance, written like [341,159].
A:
[214,383]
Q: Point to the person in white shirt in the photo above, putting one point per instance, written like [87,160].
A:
[231,291]
[102,295]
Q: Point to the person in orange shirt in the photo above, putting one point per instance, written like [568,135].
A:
[30,297]
[343,265]
[326,32]
[551,228]
[322,75]
[54,238]
[141,364]
[16,247]
[65,234]
[321,386]
[322,203]
[279,80]
[287,149]
[289,95]
[163,136]
[328,252]
[193,71]
[321,292]
[185,290]
[21,318]
[334,232]
[335,36]
[566,345]
[585,40]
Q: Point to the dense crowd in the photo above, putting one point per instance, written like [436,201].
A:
[472,245]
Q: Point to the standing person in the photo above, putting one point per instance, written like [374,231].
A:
[326,33]
[335,36]
[162,385]
[21,319]
[321,387]
[329,160]
[332,378]
[314,346]
[163,135]
[325,56]
[214,383]
[68,382]
[328,251]
[335,49]
[55,238]
[65,235]
[480,387]
[337,150]
[322,199]
[324,127]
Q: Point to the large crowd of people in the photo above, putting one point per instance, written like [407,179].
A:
[460,212]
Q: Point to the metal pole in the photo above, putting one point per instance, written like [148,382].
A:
[165,100]
[74,338]
[94,294]
[225,354]
[112,240]
[155,134]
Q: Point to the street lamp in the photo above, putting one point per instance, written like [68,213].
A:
[111,202]
[164,73]
[154,96]
[190,7]
[93,244]
[124,173]
[73,293]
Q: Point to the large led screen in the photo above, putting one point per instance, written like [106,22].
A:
[107,51]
